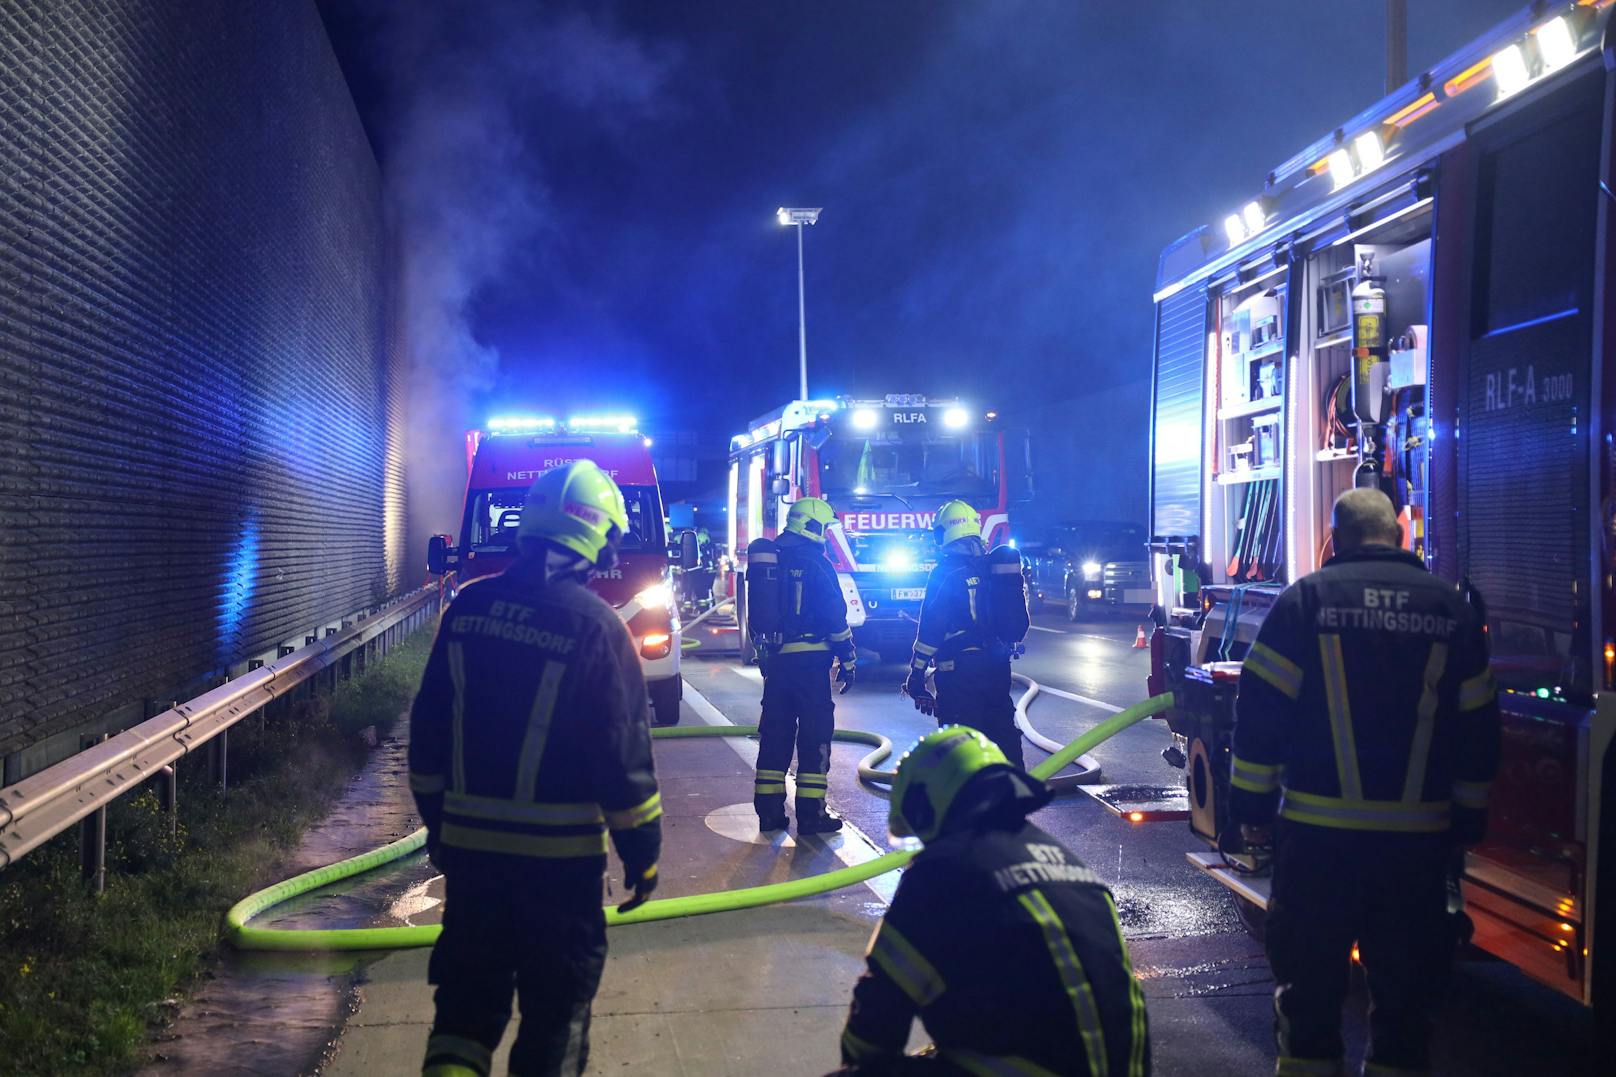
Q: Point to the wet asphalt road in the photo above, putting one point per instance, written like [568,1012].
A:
[1207,981]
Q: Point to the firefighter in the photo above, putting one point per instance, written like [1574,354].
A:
[529,739]
[1367,722]
[797,706]
[1000,939]
[969,631]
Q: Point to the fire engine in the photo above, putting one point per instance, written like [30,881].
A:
[886,466]
[502,462]
[1420,301]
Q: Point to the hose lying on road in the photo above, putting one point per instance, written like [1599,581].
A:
[245,937]
[1088,767]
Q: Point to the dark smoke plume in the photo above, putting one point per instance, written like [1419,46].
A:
[467,195]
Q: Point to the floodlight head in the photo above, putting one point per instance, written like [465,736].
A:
[786,215]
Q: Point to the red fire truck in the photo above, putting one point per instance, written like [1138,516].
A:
[502,462]
[1421,301]
[885,466]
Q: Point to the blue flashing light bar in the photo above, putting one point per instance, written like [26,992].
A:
[516,424]
[612,424]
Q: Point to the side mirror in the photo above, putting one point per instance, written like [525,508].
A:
[684,552]
[780,457]
[439,555]
[781,486]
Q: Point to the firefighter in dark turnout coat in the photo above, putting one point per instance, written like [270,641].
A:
[797,706]
[529,741]
[1367,722]
[956,633]
[1003,942]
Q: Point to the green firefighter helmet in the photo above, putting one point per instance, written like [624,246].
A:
[578,507]
[809,516]
[956,520]
[931,775]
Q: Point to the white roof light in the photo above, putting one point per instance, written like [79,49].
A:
[788,215]
[1234,228]
[956,418]
[865,419]
[1341,168]
[1509,70]
[1254,217]
[1555,43]
[1370,152]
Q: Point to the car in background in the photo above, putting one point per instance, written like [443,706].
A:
[1090,567]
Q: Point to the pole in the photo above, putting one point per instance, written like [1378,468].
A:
[802,324]
[1396,44]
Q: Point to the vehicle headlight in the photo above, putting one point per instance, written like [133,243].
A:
[1091,570]
[659,597]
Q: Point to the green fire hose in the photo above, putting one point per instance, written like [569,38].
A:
[245,937]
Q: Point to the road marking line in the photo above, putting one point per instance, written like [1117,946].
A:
[1075,698]
[852,846]
[1051,631]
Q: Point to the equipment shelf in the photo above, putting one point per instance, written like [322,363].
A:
[1251,407]
[1327,456]
[1235,478]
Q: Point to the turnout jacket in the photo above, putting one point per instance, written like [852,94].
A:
[530,735]
[953,615]
[1366,703]
[1009,949]
[815,613]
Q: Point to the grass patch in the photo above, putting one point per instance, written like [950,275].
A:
[83,979]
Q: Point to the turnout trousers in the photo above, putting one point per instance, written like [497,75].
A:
[976,692]
[797,711]
[516,930]
[1388,893]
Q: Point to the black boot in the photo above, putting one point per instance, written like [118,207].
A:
[776,821]
[818,822]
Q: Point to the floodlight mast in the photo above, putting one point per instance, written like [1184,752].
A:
[800,217]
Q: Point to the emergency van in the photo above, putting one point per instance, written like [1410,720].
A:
[1421,301]
[885,465]
[502,462]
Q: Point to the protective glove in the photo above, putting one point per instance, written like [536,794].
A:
[915,688]
[639,849]
[846,674]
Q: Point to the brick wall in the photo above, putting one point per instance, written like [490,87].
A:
[199,426]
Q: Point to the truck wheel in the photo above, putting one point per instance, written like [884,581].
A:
[1074,606]
[665,696]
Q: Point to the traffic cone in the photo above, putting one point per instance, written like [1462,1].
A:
[1139,640]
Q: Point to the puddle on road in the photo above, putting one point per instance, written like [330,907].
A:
[265,1013]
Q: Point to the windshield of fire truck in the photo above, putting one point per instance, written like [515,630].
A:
[495,514]
[921,463]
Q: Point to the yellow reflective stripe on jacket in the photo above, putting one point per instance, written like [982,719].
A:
[1275,668]
[994,1065]
[1419,750]
[1254,777]
[538,730]
[457,675]
[427,784]
[1340,708]
[1073,978]
[1423,817]
[542,846]
[924,650]
[860,1049]
[644,812]
[802,646]
[544,813]
[1478,691]
[1473,795]
[894,955]
[1136,998]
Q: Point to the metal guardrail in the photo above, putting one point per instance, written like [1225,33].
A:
[45,804]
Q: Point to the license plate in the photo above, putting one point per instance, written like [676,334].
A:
[908,594]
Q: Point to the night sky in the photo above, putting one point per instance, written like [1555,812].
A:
[585,191]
